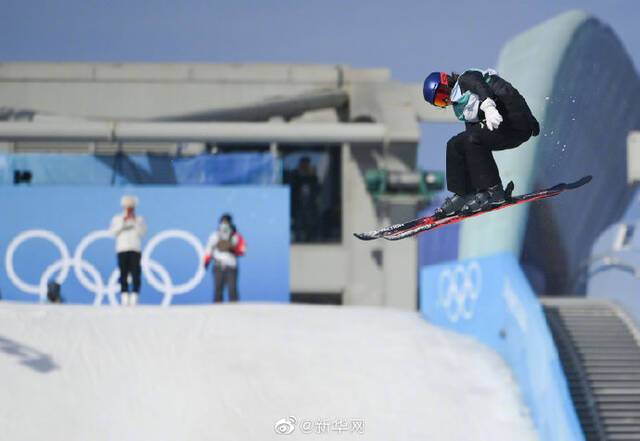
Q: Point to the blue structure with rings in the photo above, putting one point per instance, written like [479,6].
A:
[60,234]
[490,299]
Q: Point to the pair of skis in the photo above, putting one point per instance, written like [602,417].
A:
[428,223]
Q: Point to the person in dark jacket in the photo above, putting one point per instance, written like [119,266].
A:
[496,117]
[305,188]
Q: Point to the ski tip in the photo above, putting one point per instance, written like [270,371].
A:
[580,182]
[365,236]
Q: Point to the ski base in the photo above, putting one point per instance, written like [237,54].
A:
[427,223]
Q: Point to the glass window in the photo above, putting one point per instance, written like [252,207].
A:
[314,176]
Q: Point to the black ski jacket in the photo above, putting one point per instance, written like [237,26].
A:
[510,103]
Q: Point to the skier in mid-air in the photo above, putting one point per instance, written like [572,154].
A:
[496,117]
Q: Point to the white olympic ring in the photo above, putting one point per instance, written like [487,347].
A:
[89,276]
[37,234]
[166,285]
[459,289]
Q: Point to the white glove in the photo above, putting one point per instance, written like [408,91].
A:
[491,114]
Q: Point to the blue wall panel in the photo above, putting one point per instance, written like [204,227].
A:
[85,169]
[439,245]
[179,220]
[490,299]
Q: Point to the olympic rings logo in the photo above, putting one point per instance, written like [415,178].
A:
[89,276]
[459,289]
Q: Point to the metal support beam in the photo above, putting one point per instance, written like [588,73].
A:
[90,131]
[285,107]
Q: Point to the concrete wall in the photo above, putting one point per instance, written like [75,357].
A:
[584,90]
[127,91]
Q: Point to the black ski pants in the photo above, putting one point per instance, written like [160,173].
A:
[225,276]
[129,263]
[470,163]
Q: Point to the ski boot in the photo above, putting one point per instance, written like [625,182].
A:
[484,200]
[452,205]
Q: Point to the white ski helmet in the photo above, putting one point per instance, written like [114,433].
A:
[128,201]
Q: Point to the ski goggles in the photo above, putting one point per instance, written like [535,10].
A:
[442,96]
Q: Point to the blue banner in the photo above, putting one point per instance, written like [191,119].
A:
[59,234]
[85,169]
[227,169]
[490,299]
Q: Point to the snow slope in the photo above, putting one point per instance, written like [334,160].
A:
[229,372]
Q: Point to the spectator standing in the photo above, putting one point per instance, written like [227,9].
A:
[305,188]
[128,230]
[224,247]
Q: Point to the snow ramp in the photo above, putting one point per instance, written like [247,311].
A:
[248,372]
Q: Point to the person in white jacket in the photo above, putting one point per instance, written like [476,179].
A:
[128,230]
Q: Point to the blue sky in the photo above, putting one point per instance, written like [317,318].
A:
[411,37]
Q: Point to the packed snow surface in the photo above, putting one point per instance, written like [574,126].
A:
[231,372]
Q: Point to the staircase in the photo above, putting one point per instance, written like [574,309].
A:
[600,353]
